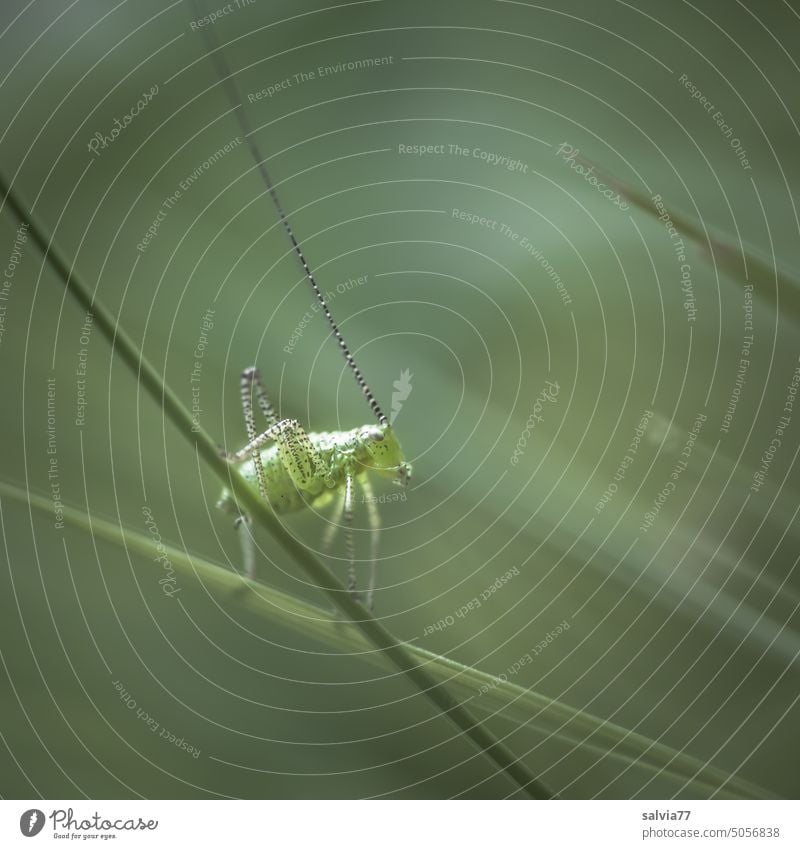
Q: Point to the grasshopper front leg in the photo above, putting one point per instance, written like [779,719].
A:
[375,535]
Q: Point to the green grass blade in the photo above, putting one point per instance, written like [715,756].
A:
[501,699]
[321,576]
[770,284]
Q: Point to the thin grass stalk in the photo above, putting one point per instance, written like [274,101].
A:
[499,698]
[770,284]
[319,574]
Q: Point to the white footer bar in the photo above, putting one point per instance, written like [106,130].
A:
[400,824]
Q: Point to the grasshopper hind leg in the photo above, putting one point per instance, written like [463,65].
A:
[250,387]
[301,460]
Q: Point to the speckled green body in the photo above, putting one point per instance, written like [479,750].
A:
[297,478]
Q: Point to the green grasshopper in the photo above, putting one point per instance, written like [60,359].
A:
[291,469]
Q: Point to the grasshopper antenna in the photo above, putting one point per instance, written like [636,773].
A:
[234,96]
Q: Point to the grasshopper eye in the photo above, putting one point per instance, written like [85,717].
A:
[374,433]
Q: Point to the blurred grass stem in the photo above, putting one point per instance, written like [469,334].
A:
[498,699]
[320,575]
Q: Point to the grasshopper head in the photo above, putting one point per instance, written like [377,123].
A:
[383,453]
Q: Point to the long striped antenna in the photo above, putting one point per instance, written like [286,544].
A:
[234,96]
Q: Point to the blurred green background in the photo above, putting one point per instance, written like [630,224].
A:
[686,632]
